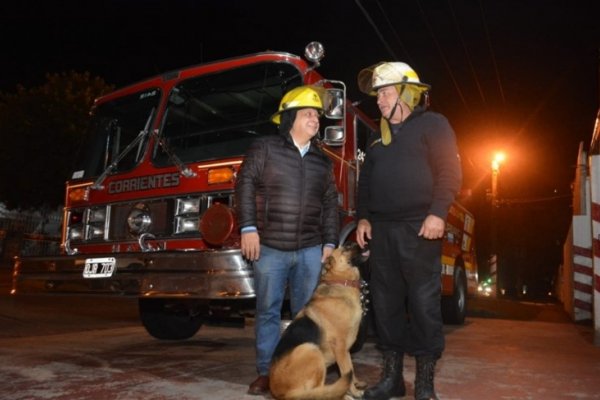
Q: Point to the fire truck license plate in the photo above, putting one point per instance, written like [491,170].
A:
[99,267]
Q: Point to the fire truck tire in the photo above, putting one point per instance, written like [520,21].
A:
[454,307]
[167,319]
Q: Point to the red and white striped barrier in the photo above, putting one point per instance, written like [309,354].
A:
[595,213]
[582,283]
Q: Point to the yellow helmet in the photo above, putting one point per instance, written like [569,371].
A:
[386,74]
[301,97]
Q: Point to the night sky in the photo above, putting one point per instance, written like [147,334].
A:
[518,76]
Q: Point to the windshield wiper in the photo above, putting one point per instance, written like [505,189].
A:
[183,169]
[138,139]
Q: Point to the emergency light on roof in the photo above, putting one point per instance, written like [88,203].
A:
[314,52]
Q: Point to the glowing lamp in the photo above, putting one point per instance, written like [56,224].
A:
[220,175]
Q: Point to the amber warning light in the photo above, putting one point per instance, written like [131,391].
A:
[77,195]
[220,175]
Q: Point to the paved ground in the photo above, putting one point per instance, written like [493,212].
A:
[81,348]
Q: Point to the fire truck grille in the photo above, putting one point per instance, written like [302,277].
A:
[161,212]
[163,218]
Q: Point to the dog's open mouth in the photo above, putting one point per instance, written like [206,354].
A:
[357,255]
[365,252]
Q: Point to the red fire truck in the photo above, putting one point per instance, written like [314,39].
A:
[149,209]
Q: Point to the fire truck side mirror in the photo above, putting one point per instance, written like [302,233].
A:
[334,136]
[334,108]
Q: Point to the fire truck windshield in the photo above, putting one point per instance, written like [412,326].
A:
[218,115]
[208,117]
[114,126]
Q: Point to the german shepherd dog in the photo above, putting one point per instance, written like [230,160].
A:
[322,334]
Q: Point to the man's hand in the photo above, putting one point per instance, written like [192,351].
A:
[250,246]
[363,232]
[433,227]
[327,251]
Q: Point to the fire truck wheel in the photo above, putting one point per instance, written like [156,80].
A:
[454,307]
[167,319]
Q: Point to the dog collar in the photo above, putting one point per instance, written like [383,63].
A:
[344,282]
[359,284]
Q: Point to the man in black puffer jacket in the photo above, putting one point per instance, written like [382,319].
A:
[286,202]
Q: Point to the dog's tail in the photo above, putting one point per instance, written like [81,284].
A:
[335,391]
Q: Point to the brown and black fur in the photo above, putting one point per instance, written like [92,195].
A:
[321,335]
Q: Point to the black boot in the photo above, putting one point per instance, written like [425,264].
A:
[424,378]
[391,383]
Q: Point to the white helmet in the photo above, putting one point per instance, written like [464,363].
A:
[386,74]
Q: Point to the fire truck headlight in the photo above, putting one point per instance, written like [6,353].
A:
[76,233]
[97,214]
[186,206]
[139,219]
[187,215]
[95,232]
[186,224]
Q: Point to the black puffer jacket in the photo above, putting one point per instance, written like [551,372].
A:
[291,199]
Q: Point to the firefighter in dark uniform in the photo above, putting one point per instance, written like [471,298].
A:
[410,177]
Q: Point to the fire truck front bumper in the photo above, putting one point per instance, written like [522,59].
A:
[222,274]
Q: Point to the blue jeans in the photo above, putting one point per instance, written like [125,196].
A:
[275,270]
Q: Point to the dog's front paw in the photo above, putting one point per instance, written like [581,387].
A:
[361,385]
[349,396]
[354,394]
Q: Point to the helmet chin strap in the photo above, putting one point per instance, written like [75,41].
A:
[386,124]
[396,106]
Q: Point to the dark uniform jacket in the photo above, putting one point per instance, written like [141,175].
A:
[417,174]
[291,199]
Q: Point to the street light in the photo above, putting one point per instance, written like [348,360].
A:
[498,159]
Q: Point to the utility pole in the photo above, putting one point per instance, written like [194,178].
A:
[495,204]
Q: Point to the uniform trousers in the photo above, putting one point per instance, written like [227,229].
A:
[405,285]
